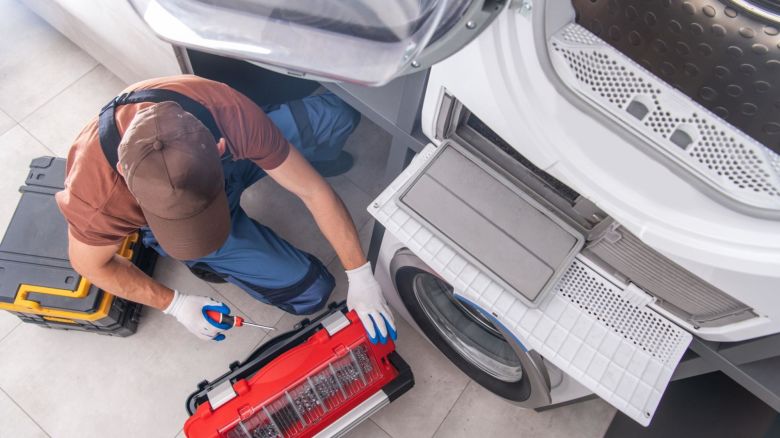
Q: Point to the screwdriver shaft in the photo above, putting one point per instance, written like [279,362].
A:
[233,321]
[259,326]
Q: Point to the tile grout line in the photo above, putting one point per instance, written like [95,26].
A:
[25,412]
[451,408]
[97,64]
[380,428]
[368,195]
[238,307]
[54,154]
[20,123]
[13,124]
[262,341]
[10,331]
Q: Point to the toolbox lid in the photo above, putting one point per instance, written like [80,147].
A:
[34,250]
[47,172]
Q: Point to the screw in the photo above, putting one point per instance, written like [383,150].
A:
[471,25]
[415,64]
[525,6]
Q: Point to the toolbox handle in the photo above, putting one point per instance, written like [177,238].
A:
[26,289]
[21,300]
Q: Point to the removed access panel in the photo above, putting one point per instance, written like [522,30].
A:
[501,228]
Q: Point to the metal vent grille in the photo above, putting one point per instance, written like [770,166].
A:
[703,144]
[598,297]
[678,291]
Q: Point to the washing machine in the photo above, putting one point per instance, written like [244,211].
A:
[482,349]
[602,183]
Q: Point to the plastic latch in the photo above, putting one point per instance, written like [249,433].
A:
[613,235]
[636,296]
[340,350]
[221,394]
[335,323]
[245,412]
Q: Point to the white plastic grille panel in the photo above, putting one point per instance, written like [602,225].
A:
[621,352]
[719,154]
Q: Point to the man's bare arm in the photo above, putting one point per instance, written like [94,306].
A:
[104,268]
[296,175]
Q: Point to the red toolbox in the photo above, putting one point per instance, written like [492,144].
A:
[319,380]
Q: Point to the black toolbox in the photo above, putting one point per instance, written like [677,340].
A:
[37,281]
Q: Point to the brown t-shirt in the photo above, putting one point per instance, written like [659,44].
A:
[99,208]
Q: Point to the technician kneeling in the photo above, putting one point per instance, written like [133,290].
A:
[171,156]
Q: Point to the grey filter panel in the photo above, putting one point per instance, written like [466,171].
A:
[497,225]
[679,291]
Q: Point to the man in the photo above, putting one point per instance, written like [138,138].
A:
[170,157]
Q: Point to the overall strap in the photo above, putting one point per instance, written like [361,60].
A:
[109,133]
[301,117]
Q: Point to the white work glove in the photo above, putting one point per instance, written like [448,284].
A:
[190,311]
[365,298]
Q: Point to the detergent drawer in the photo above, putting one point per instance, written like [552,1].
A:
[596,329]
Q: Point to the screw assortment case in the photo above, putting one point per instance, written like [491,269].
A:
[320,380]
[37,281]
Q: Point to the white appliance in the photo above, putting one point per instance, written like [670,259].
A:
[576,219]
[480,349]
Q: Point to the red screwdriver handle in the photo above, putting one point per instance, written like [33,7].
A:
[221,318]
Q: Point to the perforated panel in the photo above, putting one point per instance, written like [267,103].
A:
[704,145]
[713,51]
[624,353]
[595,295]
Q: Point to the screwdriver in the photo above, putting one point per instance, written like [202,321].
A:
[233,321]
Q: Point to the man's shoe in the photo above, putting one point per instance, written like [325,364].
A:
[337,166]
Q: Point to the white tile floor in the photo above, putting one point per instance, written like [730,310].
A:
[69,384]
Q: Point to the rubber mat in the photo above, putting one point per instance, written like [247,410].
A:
[725,59]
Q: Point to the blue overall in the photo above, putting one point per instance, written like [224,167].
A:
[254,257]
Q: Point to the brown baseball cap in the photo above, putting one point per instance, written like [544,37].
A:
[170,162]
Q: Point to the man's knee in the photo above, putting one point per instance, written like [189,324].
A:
[345,118]
[314,297]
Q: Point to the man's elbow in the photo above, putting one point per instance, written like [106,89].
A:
[84,268]
[320,191]
[88,263]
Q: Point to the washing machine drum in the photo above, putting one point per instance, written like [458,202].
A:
[363,41]
[469,337]
[769,9]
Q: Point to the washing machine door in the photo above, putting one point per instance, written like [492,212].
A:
[362,41]
[470,337]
